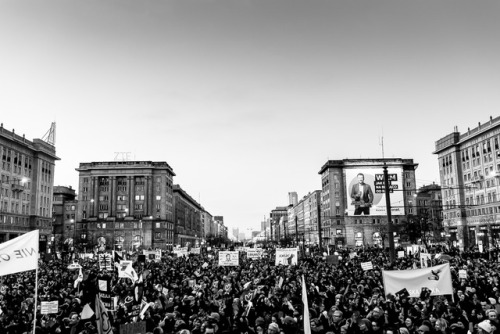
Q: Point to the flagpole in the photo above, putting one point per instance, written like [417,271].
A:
[36,297]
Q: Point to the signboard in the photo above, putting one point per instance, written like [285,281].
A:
[104,287]
[229,258]
[105,262]
[286,256]
[50,307]
[152,255]
[365,190]
[367,265]
[254,254]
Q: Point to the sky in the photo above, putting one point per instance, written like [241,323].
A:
[247,99]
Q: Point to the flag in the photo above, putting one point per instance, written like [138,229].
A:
[437,279]
[102,317]
[87,312]
[79,278]
[19,254]
[117,257]
[307,321]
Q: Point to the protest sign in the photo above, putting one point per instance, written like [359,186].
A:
[254,254]
[49,307]
[367,265]
[462,273]
[401,254]
[229,258]
[105,261]
[152,255]
[286,256]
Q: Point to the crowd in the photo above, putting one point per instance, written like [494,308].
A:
[193,295]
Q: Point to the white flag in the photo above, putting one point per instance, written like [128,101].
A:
[437,279]
[101,317]
[87,312]
[307,321]
[19,254]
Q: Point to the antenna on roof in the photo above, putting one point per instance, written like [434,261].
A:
[50,136]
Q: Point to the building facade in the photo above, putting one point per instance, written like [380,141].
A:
[125,205]
[188,215]
[279,222]
[64,217]
[469,170]
[429,212]
[27,180]
[348,217]
[207,222]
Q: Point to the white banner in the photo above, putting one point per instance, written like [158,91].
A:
[437,279]
[229,258]
[127,271]
[286,256]
[19,254]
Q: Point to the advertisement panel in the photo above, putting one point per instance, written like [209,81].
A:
[365,191]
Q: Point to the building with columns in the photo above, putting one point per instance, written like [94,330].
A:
[125,204]
[27,178]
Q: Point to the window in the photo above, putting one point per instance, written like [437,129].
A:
[139,197]
[158,198]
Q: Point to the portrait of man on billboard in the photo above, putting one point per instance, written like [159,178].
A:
[362,196]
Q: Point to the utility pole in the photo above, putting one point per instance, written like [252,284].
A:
[389,216]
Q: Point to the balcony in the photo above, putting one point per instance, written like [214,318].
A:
[16,187]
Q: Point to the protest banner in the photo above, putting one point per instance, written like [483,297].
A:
[19,254]
[437,279]
[229,258]
[286,256]
[49,307]
[367,265]
[181,251]
[104,288]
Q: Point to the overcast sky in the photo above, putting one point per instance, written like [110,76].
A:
[247,99]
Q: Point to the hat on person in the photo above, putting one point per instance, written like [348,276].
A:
[404,330]
[492,301]
[458,324]
[423,328]
[485,326]
[288,320]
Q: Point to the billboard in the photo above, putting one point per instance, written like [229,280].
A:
[365,191]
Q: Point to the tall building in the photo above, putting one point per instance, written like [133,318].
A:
[347,217]
[293,198]
[312,209]
[125,204]
[207,222]
[469,170]
[27,180]
[188,215]
[279,218]
[64,215]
